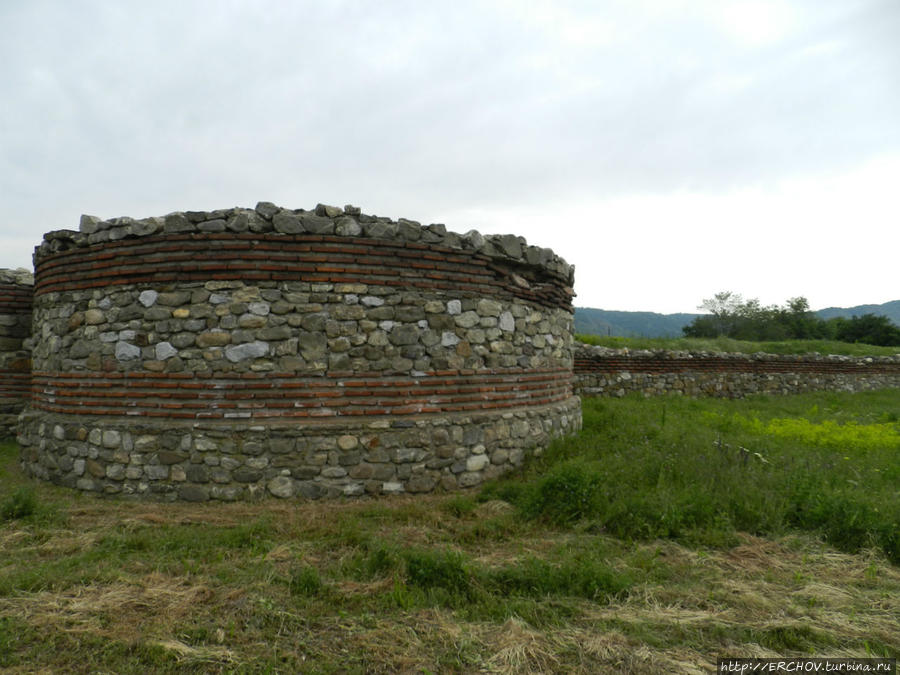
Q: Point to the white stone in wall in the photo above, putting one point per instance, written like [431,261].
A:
[372,301]
[249,350]
[477,462]
[148,298]
[164,350]
[127,352]
[392,488]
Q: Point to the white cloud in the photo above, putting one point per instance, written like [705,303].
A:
[754,22]
[831,239]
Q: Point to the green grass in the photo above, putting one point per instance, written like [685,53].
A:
[703,470]
[724,344]
[669,531]
[20,504]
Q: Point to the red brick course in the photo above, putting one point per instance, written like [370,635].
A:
[308,258]
[15,299]
[284,395]
[602,364]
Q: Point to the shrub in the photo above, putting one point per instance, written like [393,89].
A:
[568,493]
[586,578]
[19,504]
[438,569]
[305,581]
[845,520]
[371,562]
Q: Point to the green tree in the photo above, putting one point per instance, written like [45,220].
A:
[801,322]
[723,308]
[870,329]
[732,316]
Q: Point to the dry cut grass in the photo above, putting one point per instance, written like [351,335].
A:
[229,607]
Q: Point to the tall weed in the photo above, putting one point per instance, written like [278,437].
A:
[700,470]
[19,504]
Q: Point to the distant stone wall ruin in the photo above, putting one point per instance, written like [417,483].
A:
[600,371]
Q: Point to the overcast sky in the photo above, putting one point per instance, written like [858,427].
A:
[668,149]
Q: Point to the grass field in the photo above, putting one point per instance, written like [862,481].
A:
[669,532]
[724,344]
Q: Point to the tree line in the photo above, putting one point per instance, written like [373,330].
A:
[731,316]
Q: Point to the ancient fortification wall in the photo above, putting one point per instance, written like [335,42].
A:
[271,352]
[267,351]
[15,346]
[600,371]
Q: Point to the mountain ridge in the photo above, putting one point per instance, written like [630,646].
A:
[592,321]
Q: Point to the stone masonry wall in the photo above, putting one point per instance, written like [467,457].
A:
[15,346]
[600,371]
[250,352]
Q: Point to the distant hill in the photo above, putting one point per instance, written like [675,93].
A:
[651,324]
[629,324]
[889,309]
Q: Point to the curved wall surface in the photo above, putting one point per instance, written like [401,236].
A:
[15,355]
[240,353]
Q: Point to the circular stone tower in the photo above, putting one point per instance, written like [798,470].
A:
[15,355]
[243,353]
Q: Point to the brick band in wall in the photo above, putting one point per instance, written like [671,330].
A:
[733,365]
[16,385]
[15,298]
[165,259]
[283,395]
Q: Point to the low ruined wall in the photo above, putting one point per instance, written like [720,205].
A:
[15,348]
[600,371]
[267,351]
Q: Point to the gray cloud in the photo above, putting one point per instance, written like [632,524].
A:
[412,109]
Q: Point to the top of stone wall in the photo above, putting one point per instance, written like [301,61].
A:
[348,221]
[665,354]
[19,276]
